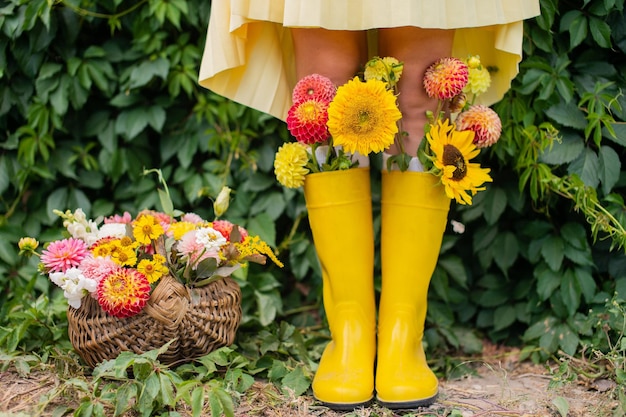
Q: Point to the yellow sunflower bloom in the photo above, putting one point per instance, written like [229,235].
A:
[362,117]
[452,151]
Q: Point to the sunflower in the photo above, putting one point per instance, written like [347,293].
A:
[362,117]
[452,151]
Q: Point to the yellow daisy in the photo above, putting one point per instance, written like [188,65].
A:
[452,151]
[147,229]
[153,269]
[362,117]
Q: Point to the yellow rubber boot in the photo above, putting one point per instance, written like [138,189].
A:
[340,215]
[414,216]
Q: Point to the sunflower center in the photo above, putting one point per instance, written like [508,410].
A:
[452,156]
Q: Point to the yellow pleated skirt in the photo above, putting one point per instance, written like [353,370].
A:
[248,56]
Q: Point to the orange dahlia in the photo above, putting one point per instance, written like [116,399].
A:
[124,293]
[306,121]
[446,78]
[483,121]
[314,87]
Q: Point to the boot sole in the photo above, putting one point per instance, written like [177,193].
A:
[346,406]
[406,405]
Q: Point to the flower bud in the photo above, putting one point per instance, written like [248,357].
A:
[27,245]
[220,205]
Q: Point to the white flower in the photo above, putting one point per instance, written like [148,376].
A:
[457,227]
[116,230]
[74,284]
[211,239]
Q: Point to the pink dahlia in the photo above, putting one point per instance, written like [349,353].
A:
[64,254]
[307,121]
[123,293]
[225,228]
[446,78]
[96,268]
[483,121]
[314,87]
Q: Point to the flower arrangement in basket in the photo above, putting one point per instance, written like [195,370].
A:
[138,283]
[335,127]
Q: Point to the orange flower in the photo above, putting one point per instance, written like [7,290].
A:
[446,78]
[314,87]
[483,121]
[124,293]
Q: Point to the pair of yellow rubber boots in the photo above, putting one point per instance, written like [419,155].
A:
[362,357]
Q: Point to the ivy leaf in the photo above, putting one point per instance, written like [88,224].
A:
[547,281]
[494,204]
[567,114]
[570,292]
[610,167]
[263,226]
[552,252]
[586,166]
[505,250]
[144,72]
[600,31]
[504,316]
[568,149]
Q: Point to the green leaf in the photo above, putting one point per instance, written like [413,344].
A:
[570,292]
[263,226]
[453,265]
[156,117]
[504,316]
[268,305]
[144,72]
[494,204]
[586,283]
[553,252]
[562,406]
[587,167]
[296,382]
[600,31]
[505,250]
[567,114]
[132,122]
[548,281]
[568,149]
[609,168]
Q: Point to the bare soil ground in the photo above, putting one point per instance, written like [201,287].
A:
[498,386]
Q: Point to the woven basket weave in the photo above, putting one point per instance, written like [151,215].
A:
[200,319]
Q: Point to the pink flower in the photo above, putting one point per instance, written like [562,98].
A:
[483,121]
[314,87]
[96,268]
[64,254]
[225,228]
[126,218]
[191,218]
[307,120]
[192,248]
[446,78]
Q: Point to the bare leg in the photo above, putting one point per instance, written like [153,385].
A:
[336,54]
[417,48]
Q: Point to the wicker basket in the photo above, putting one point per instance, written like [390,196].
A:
[199,319]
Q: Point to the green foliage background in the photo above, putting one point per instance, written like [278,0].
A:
[94,92]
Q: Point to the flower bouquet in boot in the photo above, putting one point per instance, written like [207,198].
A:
[416,195]
[335,131]
[137,283]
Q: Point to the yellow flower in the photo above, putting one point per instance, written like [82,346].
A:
[290,164]
[153,269]
[27,245]
[478,82]
[180,228]
[252,246]
[123,255]
[452,151]
[386,69]
[362,117]
[147,229]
